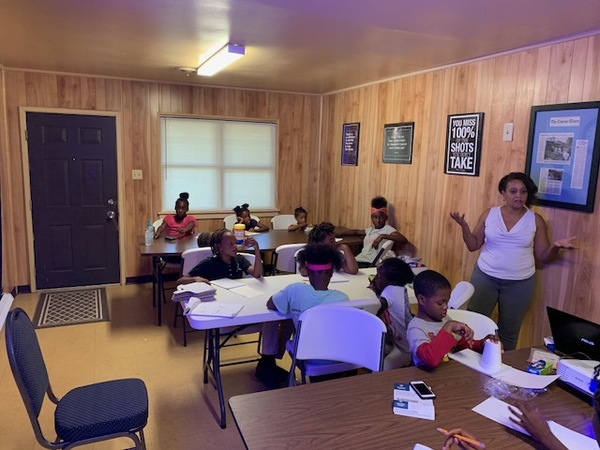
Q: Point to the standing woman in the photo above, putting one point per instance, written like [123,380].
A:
[504,273]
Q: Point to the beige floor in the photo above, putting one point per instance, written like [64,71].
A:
[182,408]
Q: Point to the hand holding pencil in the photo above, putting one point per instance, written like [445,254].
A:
[460,437]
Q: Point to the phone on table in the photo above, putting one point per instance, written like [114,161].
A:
[170,238]
[422,389]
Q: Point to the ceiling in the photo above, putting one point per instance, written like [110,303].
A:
[310,46]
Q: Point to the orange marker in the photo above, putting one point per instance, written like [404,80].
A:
[466,439]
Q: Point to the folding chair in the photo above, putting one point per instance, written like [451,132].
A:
[461,294]
[190,259]
[283,221]
[342,338]
[285,257]
[87,414]
[480,324]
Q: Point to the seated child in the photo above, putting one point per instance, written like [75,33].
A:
[324,233]
[225,262]
[179,224]
[378,232]
[392,275]
[301,217]
[320,260]
[244,216]
[432,334]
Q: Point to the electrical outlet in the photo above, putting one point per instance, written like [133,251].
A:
[137,174]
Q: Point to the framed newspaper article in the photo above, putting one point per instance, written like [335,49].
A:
[563,154]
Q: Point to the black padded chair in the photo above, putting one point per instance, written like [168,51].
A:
[92,413]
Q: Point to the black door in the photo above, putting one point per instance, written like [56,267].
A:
[73,179]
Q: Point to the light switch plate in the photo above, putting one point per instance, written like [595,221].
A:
[137,174]
[507,134]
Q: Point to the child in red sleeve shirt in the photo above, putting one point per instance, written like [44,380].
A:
[432,334]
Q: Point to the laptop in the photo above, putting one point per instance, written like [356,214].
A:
[573,336]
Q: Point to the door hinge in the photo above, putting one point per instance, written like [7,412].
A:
[26,135]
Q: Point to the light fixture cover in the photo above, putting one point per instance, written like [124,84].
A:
[221,59]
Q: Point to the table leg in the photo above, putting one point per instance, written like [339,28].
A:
[213,364]
[217,374]
[157,289]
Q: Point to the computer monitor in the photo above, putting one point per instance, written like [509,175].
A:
[574,336]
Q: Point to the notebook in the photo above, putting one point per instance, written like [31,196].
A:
[573,335]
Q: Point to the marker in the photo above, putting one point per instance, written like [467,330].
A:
[466,439]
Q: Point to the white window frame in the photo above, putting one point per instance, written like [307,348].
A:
[169,196]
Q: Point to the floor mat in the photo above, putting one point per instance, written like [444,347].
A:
[56,309]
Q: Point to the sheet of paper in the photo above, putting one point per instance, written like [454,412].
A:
[572,439]
[498,411]
[190,305]
[196,288]
[507,374]
[227,283]
[215,309]
[421,447]
[524,379]
[247,291]
[408,403]
[472,359]
[251,233]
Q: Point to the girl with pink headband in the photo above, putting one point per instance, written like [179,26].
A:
[319,260]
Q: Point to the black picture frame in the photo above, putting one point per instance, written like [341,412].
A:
[463,144]
[563,151]
[398,142]
[350,139]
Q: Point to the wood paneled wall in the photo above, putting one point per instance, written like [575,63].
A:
[310,174]
[504,88]
[139,105]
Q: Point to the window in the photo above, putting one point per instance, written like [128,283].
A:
[221,163]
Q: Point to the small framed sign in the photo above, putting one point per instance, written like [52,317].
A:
[398,142]
[350,136]
[463,144]
[563,154]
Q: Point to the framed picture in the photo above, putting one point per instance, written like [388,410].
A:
[398,142]
[463,144]
[350,136]
[563,154]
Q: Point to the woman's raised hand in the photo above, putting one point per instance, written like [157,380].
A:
[565,243]
[458,218]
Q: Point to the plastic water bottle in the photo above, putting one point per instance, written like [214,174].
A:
[149,234]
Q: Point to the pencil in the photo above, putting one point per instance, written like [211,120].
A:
[466,439]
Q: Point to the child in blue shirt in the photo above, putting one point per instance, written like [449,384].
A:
[320,260]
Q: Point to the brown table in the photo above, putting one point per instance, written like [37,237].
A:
[267,241]
[356,412]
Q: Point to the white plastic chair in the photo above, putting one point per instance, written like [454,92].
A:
[157,223]
[231,220]
[250,257]
[283,221]
[384,247]
[480,324]
[351,336]
[157,282]
[461,294]
[285,257]
[190,259]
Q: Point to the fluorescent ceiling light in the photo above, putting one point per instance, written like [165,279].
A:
[221,59]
